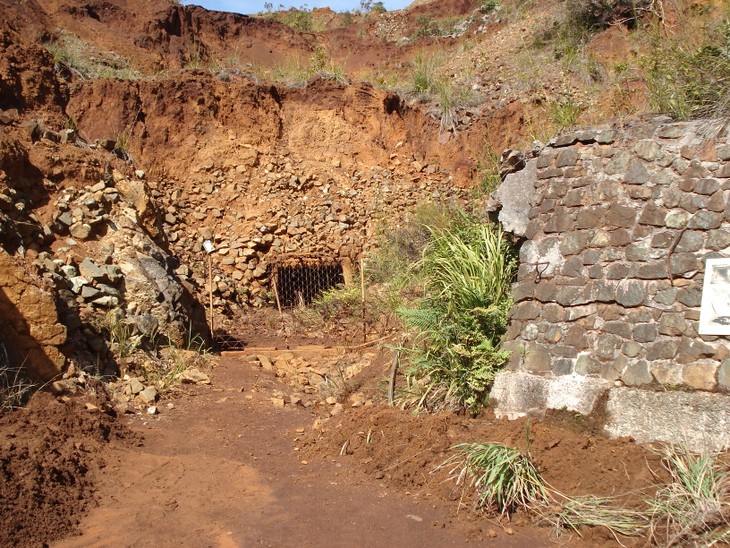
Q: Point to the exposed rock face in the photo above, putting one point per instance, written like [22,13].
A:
[29,327]
[611,274]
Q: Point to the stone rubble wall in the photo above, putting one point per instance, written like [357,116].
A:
[620,224]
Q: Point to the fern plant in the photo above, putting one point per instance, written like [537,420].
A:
[454,357]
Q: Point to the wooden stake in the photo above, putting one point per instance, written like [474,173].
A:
[210,287]
[276,291]
[362,296]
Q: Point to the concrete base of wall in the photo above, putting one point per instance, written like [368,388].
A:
[696,420]
[518,393]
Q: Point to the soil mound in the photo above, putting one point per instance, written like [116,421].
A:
[50,453]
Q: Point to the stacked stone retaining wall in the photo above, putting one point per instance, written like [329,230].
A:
[620,225]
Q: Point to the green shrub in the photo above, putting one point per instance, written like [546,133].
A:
[690,82]
[488,6]
[467,270]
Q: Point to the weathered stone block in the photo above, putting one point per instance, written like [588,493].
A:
[576,337]
[545,291]
[619,163]
[631,349]
[707,186]
[690,296]
[573,295]
[647,149]
[574,242]
[607,347]
[549,173]
[586,365]
[662,350]
[603,291]
[662,240]
[523,291]
[691,350]
[536,359]
[622,329]
[560,221]
[666,373]
[705,220]
[653,215]
[553,313]
[591,217]
[617,271]
[562,366]
[656,270]
[619,238]
[636,174]
[644,333]
[718,240]
[567,157]
[577,312]
[672,131]
[620,216]
[630,293]
[691,241]
[684,264]
[525,311]
[672,324]
[717,202]
[573,267]
[723,375]
[700,376]
[637,374]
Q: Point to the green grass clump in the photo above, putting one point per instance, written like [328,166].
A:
[687,80]
[503,479]
[87,61]
[694,508]
[467,270]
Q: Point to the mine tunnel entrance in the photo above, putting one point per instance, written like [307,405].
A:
[300,280]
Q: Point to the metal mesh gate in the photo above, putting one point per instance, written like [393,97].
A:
[299,280]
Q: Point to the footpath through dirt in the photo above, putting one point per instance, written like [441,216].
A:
[223,467]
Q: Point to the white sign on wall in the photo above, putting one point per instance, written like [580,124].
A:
[715,311]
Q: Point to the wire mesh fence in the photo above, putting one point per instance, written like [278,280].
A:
[299,280]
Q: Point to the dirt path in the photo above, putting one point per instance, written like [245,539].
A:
[222,468]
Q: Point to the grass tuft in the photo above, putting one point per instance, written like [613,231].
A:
[504,479]
[695,506]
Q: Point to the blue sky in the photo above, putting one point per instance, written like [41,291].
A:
[255,6]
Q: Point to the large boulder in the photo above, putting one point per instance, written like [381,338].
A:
[29,326]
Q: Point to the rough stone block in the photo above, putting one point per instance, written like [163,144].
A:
[636,174]
[647,149]
[656,270]
[666,373]
[672,324]
[698,421]
[662,350]
[705,220]
[630,293]
[620,216]
[567,157]
[644,333]
[723,376]
[562,366]
[536,359]
[637,374]
[511,193]
[700,376]
[718,240]
[707,186]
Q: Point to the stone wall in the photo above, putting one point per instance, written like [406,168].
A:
[619,226]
